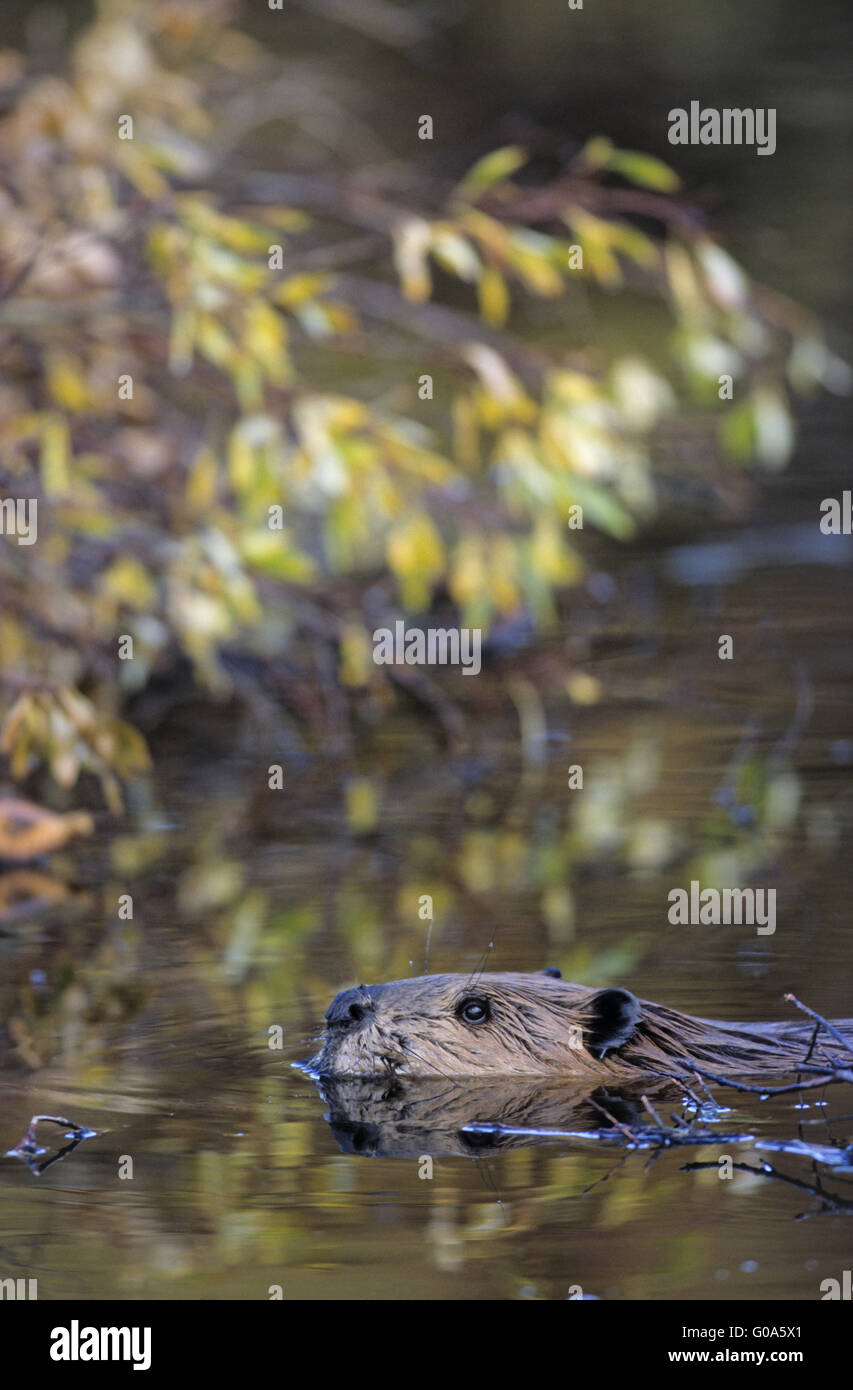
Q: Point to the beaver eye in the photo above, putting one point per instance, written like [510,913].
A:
[474,1010]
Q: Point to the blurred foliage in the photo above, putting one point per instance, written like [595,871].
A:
[187,389]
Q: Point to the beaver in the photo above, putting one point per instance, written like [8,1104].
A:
[528,1025]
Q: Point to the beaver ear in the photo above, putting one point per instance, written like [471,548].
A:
[615,1013]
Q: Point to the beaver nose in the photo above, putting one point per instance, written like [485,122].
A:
[349,1007]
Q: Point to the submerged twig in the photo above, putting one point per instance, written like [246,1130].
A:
[824,1023]
[28,1149]
[650,1110]
[834,1156]
[826,1076]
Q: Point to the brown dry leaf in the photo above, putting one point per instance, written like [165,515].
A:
[28,831]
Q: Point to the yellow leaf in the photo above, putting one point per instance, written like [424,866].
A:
[241,459]
[412,239]
[298,288]
[266,340]
[416,555]
[241,236]
[468,572]
[214,342]
[583,689]
[361,805]
[340,318]
[532,256]
[55,455]
[491,234]
[597,238]
[271,553]
[466,432]
[289,219]
[128,581]
[493,296]
[248,376]
[502,571]
[552,559]
[355,656]
[203,481]
[683,280]
[67,384]
[346,414]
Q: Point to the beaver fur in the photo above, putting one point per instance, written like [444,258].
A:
[510,1024]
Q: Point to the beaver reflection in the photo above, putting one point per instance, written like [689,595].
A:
[406,1119]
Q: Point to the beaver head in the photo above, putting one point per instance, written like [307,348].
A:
[471,1025]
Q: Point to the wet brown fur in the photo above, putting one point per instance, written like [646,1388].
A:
[411,1028]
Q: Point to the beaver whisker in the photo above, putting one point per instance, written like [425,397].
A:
[479,970]
[407,1048]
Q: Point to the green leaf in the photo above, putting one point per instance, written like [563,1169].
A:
[644,170]
[491,169]
[737,433]
[601,508]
